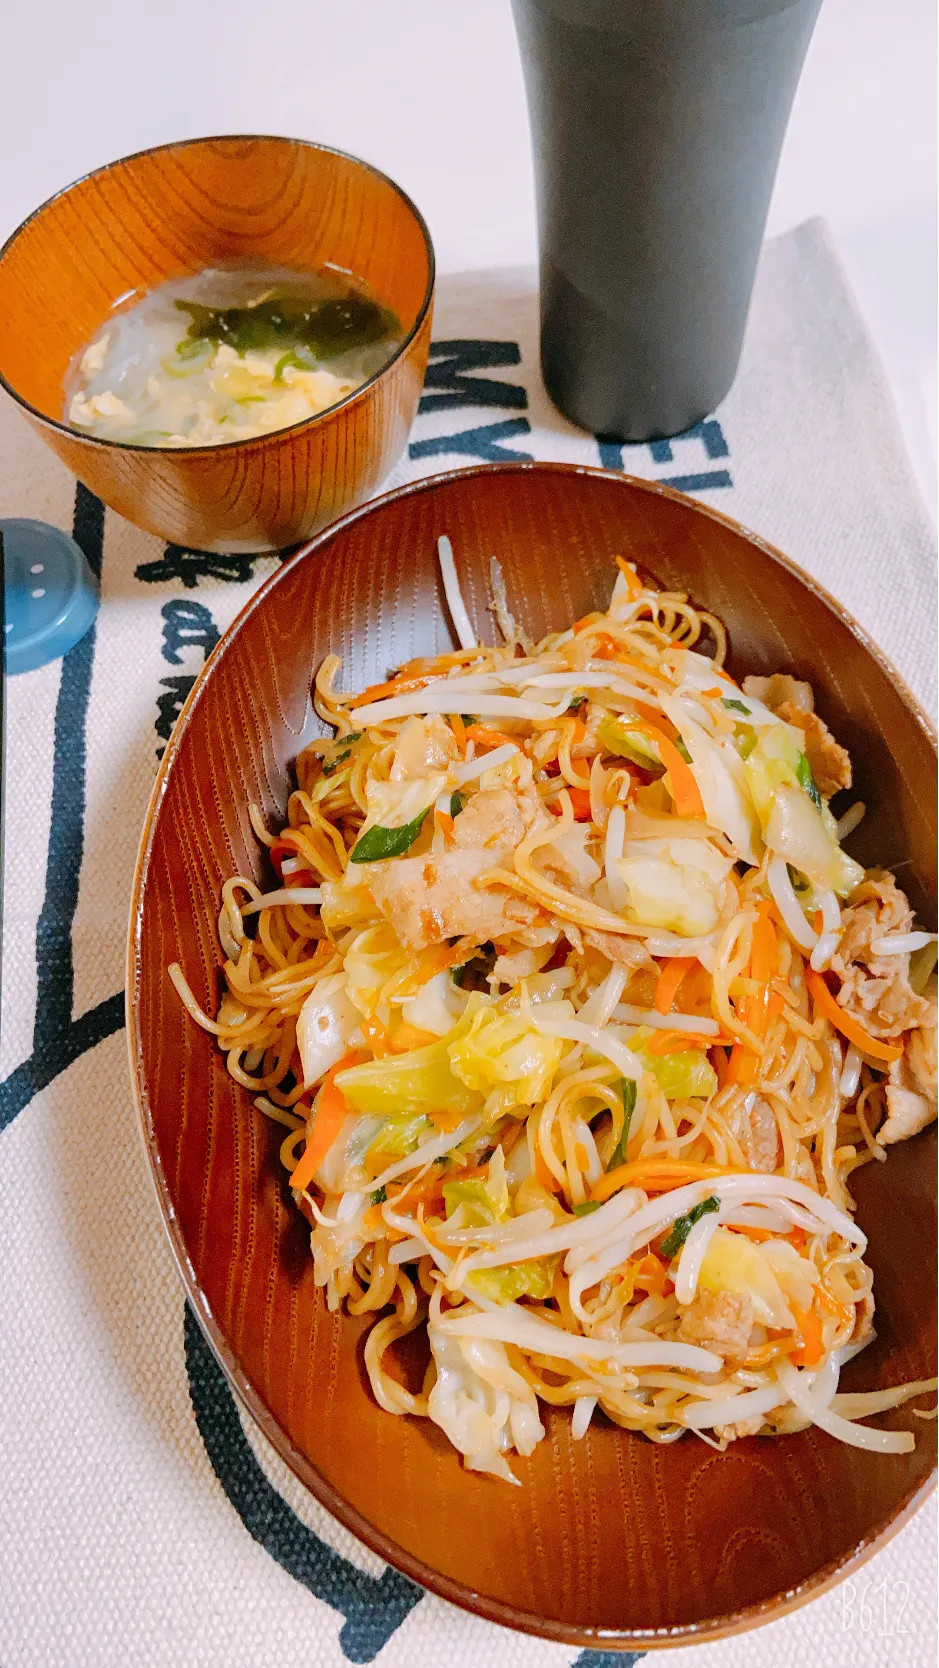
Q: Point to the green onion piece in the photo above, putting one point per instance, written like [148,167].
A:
[380,842]
[298,361]
[378,1197]
[456,804]
[684,1224]
[193,347]
[480,965]
[467,718]
[587,1208]
[578,701]
[735,706]
[627,1089]
[682,749]
[807,781]
[333,764]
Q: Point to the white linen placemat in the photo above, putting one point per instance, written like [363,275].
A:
[143,1521]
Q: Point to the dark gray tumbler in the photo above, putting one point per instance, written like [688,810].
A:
[656,130]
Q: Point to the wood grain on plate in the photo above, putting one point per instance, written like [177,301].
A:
[611,1540]
[175,210]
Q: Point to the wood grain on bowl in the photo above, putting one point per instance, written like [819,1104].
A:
[612,1540]
[175,210]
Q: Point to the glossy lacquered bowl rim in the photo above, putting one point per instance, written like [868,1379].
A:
[261,440]
[595,1638]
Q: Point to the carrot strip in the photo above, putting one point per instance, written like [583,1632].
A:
[670,979]
[671,1042]
[459,730]
[446,1120]
[650,1275]
[656,1175]
[405,1037]
[685,790]
[473,1172]
[393,686]
[842,1311]
[434,664]
[764,954]
[376,1035]
[421,1192]
[634,584]
[580,805]
[843,1021]
[651,715]
[763,967]
[299,877]
[543,1174]
[603,647]
[687,794]
[743,1065]
[486,737]
[758,1234]
[812,1339]
[285,845]
[442,956]
[374,1163]
[509,1136]
[718,1058]
[637,662]
[755,1010]
[329,1112]
[581,1157]
[444,822]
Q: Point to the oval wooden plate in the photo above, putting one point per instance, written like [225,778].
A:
[612,1540]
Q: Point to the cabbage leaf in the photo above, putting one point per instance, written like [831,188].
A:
[617,736]
[408,1084]
[485,1199]
[495,1053]
[733,1263]
[504,1285]
[678,898]
[399,1136]
[796,823]
[686,1074]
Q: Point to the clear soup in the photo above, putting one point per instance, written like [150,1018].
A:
[227,355]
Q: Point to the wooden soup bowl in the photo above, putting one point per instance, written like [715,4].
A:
[610,1541]
[175,210]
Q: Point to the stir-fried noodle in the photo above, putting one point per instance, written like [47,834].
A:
[578,1019]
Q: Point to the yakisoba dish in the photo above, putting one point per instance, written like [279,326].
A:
[579,1018]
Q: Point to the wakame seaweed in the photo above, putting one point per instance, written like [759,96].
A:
[326,328]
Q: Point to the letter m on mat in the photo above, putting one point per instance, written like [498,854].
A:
[446,375]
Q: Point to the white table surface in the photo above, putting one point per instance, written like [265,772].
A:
[431,91]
